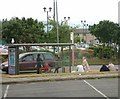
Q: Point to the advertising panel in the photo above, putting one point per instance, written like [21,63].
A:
[11,61]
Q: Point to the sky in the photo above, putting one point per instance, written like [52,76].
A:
[92,11]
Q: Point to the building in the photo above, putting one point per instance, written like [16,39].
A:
[85,36]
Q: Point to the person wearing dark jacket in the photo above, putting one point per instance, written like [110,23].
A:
[39,63]
[104,68]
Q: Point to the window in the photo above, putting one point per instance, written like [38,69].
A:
[28,58]
[48,56]
[35,56]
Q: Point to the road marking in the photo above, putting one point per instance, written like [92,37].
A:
[6,92]
[96,89]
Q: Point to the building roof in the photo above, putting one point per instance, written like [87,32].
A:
[81,31]
[41,44]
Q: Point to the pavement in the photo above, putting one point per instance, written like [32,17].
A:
[33,77]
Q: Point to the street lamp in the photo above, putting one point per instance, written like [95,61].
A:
[83,22]
[84,26]
[66,19]
[47,14]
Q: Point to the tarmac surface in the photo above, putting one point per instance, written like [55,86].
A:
[105,88]
[33,77]
[85,77]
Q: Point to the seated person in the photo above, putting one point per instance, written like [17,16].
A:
[104,68]
[45,67]
[111,67]
[80,68]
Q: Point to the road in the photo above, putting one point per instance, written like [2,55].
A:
[72,88]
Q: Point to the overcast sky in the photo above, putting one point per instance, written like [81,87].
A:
[92,11]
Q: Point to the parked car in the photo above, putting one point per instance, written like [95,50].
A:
[3,49]
[27,61]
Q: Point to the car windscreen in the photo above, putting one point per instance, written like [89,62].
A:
[21,55]
[48,56]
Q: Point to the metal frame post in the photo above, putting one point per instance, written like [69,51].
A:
[17,60]
[70,59]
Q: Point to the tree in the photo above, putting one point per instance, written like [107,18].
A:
[64,32]
[107,33]
[23,30]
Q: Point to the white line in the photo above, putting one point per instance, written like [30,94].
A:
[96,89]
[6,92]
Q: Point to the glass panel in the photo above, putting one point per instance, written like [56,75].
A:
[28,58]
[48,56]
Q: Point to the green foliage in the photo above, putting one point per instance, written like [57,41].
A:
[77,39]
[23,30]
[107,33]
[78,54]
[98,61]
[103,52]
[64,33]
[3,58]
[28,30]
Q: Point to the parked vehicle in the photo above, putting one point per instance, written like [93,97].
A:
[27,61]
[3,49]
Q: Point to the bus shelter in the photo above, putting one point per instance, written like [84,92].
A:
[13,54]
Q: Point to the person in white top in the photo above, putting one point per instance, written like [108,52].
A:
[85,64]
[111,66]
[80,68]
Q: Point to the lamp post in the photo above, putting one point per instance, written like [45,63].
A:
[47,14]
[83,23]
[86,31]
[66,19]
[84,28]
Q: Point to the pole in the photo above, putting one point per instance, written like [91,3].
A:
[83,32]
[47,21]
[17,60]
[57,23]
[54,10]
[72,39]
[70,59]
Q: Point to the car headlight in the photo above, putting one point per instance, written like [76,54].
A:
[3,66]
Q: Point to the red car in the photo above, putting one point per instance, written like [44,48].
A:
[27,61]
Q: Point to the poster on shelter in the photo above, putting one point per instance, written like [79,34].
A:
[11,60]
[12,57]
